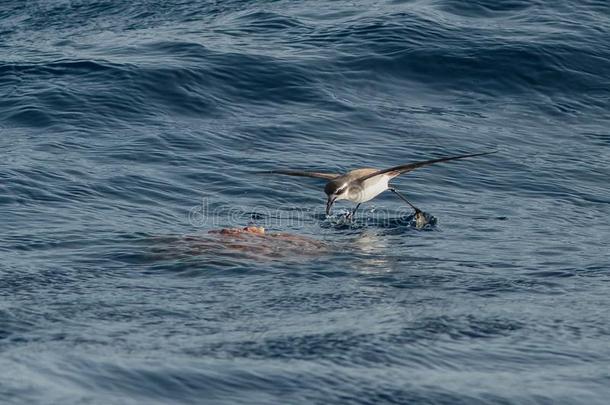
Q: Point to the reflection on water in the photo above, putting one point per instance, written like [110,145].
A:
[370,248]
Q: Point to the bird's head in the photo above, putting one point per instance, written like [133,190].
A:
[335,191]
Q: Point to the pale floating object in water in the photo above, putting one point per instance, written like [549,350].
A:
[253,242]
[254,230]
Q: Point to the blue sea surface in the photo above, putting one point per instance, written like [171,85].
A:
[130,129]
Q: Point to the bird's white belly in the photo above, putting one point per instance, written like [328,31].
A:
[372,188]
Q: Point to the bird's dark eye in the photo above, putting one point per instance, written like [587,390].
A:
[341,190]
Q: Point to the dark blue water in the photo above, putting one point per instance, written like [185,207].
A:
[129,129]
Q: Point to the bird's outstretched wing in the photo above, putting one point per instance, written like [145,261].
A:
[396,170]
[319,175]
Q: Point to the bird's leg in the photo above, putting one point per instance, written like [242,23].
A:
[420,217]
[402,197]
[353,213]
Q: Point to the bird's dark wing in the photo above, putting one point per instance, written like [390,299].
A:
[396,170]
[319,175]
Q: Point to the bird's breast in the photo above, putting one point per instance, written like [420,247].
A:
[369,189]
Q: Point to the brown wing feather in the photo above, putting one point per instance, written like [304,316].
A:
[396,170]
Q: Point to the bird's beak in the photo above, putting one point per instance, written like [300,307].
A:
[329,203]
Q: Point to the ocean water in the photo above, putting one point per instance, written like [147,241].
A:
[130,129]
